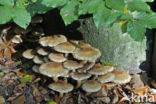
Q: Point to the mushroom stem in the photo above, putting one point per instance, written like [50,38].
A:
[94,77]
[78,84]
[65,80]
[55,79]
[61,95]
[66,55]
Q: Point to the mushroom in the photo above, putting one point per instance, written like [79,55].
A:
[35,68]
[86,67]
[79,77]
[44,41]
[42,52]
[61,87]
[37,60]
[28,54]
[100,69]
[91,86]
[106,78]
[121,76]
[72,65]
[53,69]
[87,53]
[45,59]
[17,39]
[65,47]
[57,57]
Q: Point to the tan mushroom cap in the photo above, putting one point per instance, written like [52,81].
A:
[52,41]
[57,57]
[53,69]
[91,86]
[17,39]
[106,78]
[100,69]
[86,53]
[121,76]
[28,54]
[37,60]
[65,47]
[72,65]
[82,44]
[80,76]
[61,87]
[86,67]
[42,52]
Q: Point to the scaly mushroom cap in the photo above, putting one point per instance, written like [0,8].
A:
[86,53]
[56,57]
[100,69]
[65,47]
[80,76]
[91,86]
[52,41]
[72,65]
[61,87]
[53,69]
[121,76]
[17,39]
[106,78]
[42,52]
[37,60]
[28,54]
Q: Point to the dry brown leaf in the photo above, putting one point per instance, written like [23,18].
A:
[2,100]
[153,83]
[136,82]
[19,100]
[141,91]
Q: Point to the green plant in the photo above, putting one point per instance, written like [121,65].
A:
[134,15]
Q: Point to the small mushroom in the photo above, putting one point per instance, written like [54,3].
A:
[79,77]
[53,69]
[72,65]
[35,68]
[106,78]
[28,54]
[61,87]
[100,69]
[17,39]
[86,67]
[42,52]
[45,59]
[57,57]
[37,60]
[121,76]
[91,86]
[87,53]
[65,47]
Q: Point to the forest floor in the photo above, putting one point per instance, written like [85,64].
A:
[20,85]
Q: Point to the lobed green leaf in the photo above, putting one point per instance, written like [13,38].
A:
[7,2]
[54,3]
[116,4]
[6,14]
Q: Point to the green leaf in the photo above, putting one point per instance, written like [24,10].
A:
[138,5]
[51,102]
[90,6]
[69,12]
[6,14]
[116,4]
[136,30]
[54,3]
[25,79]
[21,3]
[37,7]
[7,2]
[148,20]
[21,17]
[126,16]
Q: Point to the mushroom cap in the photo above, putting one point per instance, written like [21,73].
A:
[72,65]
[53,69]
[61,87]
[46,59]
[17,39]
[82,44]
[37,60]
[80,76]
[35,68]
[121,76]
[42,52]
[106,78]
[57,57]
[86,67]
[100,69]
[91,86]
[87,53]
[65,47]
[52,40]
[28,54]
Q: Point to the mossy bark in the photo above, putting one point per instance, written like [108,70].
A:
[116,47]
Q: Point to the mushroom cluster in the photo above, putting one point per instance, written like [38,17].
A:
[60,58]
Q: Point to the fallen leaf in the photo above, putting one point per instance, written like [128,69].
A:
[136,82]
[51,102]
[2,100]
[153,83]
[25,79]
[141,91]
[19,100]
